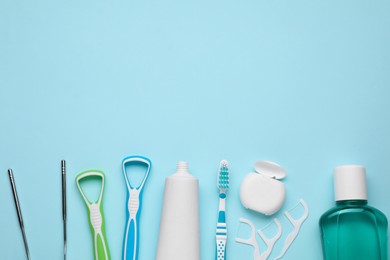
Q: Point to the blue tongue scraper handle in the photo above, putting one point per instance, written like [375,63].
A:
[134,203]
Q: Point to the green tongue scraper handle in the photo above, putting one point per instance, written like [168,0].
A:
[95,214]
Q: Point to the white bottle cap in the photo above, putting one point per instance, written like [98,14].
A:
[350,183]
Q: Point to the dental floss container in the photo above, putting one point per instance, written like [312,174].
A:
[179,235]
[262,191]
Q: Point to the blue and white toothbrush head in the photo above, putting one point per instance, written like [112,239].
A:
[223,177]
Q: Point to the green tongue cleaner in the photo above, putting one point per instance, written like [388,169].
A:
[95,212]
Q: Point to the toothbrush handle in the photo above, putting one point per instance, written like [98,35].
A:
[221,249]
[221,232]
[130,246]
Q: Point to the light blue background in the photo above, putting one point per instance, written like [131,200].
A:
[302,83]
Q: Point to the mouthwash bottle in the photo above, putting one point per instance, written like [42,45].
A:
[352,230]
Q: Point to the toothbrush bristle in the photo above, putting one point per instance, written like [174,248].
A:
[223,175]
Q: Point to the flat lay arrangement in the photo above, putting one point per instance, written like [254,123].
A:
[194,130]
[350,231]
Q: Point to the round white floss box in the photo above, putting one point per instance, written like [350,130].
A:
[262,191]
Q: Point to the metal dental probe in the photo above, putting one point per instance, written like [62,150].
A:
[63,174]
[18,211]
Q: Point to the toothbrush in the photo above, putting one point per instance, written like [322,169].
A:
[221,234]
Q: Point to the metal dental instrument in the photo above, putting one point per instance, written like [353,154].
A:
[18,211]
[63,174]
